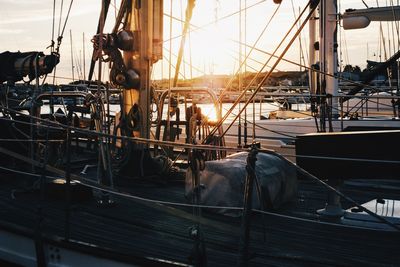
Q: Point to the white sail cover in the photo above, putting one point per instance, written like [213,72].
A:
[222,183]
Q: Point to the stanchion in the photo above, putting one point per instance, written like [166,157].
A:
[247,205]
[198,256]
[68,186]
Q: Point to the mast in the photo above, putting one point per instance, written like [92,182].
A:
[329,87]
[145,62]
[84,56]
[72,56]
[132,48]
[145,21]
[328,52]
[312,36]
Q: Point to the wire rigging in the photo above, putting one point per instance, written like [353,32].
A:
[196,28]
[266,76]
[253,47]
[53,27]
[365,4]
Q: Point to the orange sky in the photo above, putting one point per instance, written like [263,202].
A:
[26,25]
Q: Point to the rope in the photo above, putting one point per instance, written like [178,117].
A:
[344,159]
[254,79]
[87,182]
[300,43]
[65,22]
[313,69]
[59,21]
[29,173]
[313,177]
[168,126]
[249,53]
[385,221]
[189,12]
[53,27]
[28,140]
[270,71]
[60,33]
[120,15]
[210,23]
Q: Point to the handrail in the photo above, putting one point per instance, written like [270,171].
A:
[59,126]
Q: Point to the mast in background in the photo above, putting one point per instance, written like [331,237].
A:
[312,75]
[84,56]
[328,53]
[72,56]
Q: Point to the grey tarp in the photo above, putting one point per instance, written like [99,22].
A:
[222,182]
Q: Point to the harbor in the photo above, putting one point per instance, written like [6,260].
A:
[283,153]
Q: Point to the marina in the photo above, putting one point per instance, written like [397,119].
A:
[134,163]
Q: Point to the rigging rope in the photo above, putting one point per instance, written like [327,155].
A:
[315,70]
[168,126]
[300,43]
[365,4]
[269,73]
[253,47]
[59,39]
[60,33]
[188,17]
[195,28]
[59,20]
[53,27]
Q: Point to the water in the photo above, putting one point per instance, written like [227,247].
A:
[208,110]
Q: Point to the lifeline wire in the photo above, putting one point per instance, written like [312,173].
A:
[89,183]
[184,145]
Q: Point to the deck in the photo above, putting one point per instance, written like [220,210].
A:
[133,230]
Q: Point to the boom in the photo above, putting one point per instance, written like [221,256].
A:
[14,66]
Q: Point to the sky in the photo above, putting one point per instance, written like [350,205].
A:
[26,25]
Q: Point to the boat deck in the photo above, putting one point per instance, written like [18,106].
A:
[133,228]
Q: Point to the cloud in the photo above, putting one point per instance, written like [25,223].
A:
[11,31]
[23,12]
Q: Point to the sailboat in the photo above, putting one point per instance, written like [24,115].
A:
[83,188]
[364,107]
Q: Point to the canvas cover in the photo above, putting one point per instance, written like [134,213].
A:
[222,182]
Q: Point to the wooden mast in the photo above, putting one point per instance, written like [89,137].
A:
[144,18]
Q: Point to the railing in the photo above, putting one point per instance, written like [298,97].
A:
[158,204]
